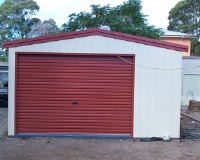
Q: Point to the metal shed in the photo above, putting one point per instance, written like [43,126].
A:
[190,79]
[94,83]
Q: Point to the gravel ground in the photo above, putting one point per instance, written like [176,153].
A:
[80,149]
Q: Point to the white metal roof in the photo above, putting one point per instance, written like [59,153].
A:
[168,33]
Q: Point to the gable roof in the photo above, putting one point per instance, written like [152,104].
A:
[93,32]
[168,33]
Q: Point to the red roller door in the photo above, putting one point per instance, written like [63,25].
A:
[84,94]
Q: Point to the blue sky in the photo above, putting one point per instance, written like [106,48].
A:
[60,9]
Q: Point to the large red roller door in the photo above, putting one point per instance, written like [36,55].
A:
[86,94]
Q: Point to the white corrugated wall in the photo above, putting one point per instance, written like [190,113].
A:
[157,92]
[190,88]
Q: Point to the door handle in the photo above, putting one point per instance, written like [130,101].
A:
[74,102]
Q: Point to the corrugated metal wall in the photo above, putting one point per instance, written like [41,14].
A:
[157,92]
[191,61]
[190,80]
[190,88]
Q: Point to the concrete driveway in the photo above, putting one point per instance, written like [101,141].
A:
[3,121]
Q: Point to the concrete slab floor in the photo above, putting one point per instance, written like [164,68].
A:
[3,121]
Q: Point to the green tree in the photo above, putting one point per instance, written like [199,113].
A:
[44,28]
[185,18]
[125,18]
[15,18]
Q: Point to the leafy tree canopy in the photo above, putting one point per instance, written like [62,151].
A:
[44,28]
[125,18]
[185,18]
[15,18]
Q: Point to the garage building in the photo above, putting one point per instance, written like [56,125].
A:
[94,83]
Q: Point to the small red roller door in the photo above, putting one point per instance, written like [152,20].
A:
[74,94]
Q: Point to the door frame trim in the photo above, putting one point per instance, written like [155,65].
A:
[73,54]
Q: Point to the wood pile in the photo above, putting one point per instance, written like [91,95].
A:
[194,106]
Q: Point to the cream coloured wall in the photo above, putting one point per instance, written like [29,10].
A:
[179,40]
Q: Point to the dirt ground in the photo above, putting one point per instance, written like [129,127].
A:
[80,149]
[106,149]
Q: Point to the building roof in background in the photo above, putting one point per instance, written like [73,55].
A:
[168,33]
[93,32]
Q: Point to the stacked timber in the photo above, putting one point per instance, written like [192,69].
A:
[194,106]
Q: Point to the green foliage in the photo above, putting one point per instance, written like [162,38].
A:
[3,58]
[185,18]
[15,18]
[125,18]
[195,47]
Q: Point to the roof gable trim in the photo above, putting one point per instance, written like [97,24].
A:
[92,32]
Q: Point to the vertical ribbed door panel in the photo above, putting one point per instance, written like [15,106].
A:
[74,94]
